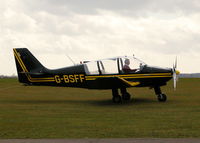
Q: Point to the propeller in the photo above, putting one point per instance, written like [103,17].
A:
[175,73]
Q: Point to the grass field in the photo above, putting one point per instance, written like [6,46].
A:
[56,112]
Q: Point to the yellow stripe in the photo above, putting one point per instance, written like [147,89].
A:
[90,79]
[42,80]
[21,64]
[129,82]
[147,76]
[24,70]
[20,60]
[153,74]
[48,79]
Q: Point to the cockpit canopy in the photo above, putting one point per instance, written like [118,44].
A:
[118,65]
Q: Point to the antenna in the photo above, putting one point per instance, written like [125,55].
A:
[70,59]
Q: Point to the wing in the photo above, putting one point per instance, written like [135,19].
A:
[128,83]
[114,82]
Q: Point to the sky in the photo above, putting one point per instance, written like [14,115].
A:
[154,31]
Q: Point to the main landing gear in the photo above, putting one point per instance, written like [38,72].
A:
[161,97]
[117,98]
[125,96]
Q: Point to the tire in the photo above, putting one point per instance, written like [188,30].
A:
[117,99]
[162,97]
[126,96]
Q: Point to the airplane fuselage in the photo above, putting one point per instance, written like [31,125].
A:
[95,74]
[69,77]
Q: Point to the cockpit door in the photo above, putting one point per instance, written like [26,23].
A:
[108,66]
[91,68]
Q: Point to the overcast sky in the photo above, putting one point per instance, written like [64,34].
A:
[155,31]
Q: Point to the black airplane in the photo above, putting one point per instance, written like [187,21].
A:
[113,73]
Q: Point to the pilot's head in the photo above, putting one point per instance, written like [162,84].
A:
[127,61]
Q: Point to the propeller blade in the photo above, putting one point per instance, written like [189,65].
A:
[175,73]
[175,80]
[176,63]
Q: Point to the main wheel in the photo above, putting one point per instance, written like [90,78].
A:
[126,96]
[117,99]
[162,97]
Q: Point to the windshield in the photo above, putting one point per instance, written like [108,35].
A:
[131,64]
[117,65]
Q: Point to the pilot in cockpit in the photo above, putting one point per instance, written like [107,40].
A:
[126,68]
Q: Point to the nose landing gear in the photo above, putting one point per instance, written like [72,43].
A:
[161,97]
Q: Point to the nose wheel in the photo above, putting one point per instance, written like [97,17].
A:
[161,97]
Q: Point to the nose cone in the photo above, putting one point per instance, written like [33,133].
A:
[177,72]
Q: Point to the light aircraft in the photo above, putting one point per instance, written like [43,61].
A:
[112,73]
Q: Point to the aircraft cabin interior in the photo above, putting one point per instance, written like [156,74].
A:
[119,65]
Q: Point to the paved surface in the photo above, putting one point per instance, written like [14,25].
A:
[100,141]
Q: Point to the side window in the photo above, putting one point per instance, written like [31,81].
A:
[131,63]
[91,68]
[134,64]
[110,67]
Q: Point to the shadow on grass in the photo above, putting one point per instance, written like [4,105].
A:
[137,101]
[105,102]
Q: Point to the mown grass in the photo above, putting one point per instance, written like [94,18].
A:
[57,112]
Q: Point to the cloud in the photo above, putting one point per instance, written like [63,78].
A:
[126,7]
[89,29]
